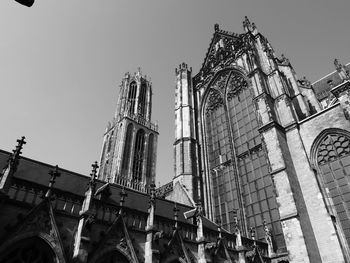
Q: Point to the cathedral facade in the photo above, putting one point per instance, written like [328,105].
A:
[259,146]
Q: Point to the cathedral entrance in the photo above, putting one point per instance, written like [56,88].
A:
[29,250]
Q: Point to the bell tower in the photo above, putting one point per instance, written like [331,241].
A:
[129,146]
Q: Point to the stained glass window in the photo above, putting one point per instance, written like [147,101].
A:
[242,185]
[333,159]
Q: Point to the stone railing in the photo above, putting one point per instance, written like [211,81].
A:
[141,120]
[136,185]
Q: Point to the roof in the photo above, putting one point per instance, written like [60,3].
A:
[70,182]
[321,86]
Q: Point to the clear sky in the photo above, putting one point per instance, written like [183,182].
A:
[61,62]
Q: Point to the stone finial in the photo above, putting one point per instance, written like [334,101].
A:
[54,174]
[246,22]
[152,193]
[139,71]
[199,209]
[235,223]
[305,82]
[93,175]
[10,168]
[252,233]
[342,71]
[284,59]
[219,223]
[123,195]
[268,238]
[13,160]
[216,27]
[176,215]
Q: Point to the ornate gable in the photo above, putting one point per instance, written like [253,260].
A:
[221,251]
[176,247]
[224,48]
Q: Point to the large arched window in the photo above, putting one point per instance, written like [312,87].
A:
[138,155]
[29,250]
[127,150]
[331,155]
[132,96]
[237,164]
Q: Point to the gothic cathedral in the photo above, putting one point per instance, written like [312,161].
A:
[260,147]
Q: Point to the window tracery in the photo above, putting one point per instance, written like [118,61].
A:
[235,85]
[333,147]
[215,101]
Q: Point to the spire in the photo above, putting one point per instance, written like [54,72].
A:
[268,239]
[90,191]
[11,167]
[54,174]
[249,27]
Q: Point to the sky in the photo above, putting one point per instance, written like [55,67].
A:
[62,61]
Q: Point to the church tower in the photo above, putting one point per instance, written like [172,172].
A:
[129,146]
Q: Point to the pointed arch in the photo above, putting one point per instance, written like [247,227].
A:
[132,96]
[138,155]
[127,149]
[330,158]
[235,162]
[33,248]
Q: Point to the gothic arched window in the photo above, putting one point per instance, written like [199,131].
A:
[132,96]
[29,250]
[138,155]
[332,158]
[127,150]
[242,187]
